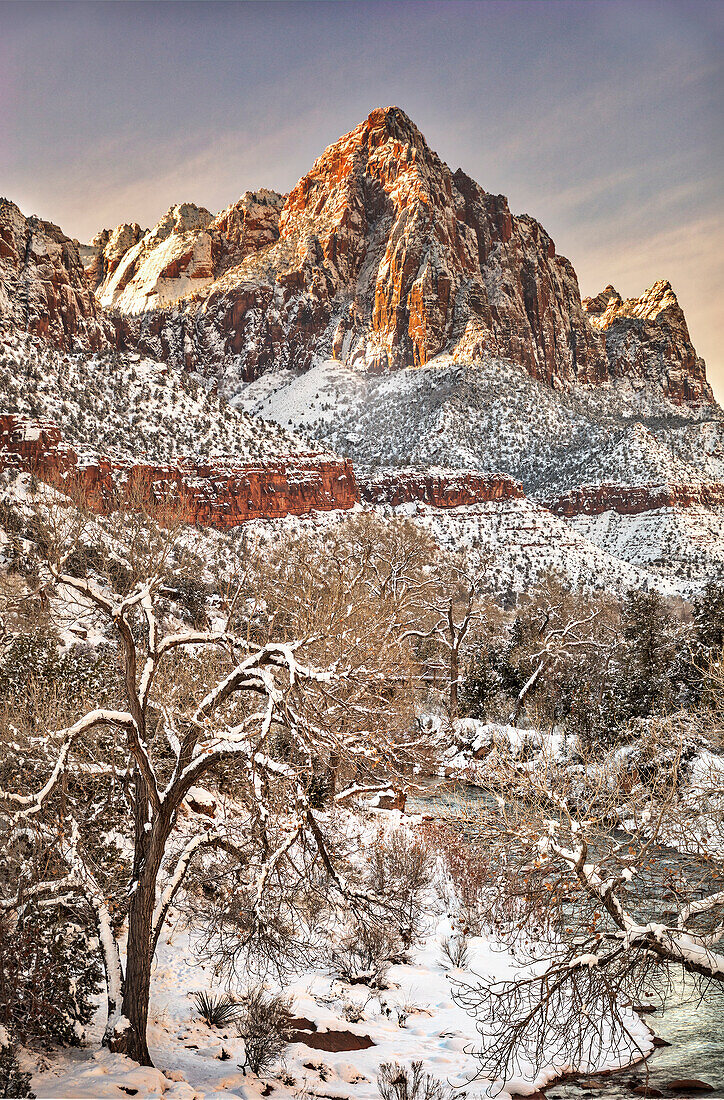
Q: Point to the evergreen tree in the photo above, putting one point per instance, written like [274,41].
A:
[13,1081]
[648,666]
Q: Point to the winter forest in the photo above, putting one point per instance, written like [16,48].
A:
[224,759]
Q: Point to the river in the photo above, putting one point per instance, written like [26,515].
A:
[694,1027]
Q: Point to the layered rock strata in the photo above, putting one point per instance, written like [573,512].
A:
[220,493]
[444,489]
[627,500]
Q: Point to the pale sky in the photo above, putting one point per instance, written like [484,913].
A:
[601,118]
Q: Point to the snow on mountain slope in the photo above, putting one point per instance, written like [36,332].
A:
[516,542]
[492,417]
[186,251]
[171,260]
[131,408]
[686,543]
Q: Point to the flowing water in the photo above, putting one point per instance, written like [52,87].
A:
[693,1026]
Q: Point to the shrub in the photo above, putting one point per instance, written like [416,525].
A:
[49,976]
[396,1082]
[263,1024]
[402,870]
[364,954]
[469,871]
[455,951]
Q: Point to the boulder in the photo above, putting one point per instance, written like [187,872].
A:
[332,1041]
[685,1085]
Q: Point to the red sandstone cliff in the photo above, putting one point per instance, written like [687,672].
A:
[592,500]
[446,489]
[223,492]
[219,493]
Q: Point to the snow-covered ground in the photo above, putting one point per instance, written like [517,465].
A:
[415,1018]
[684,543]
[131,407]
[492,416]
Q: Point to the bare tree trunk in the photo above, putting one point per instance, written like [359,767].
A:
[131,1040]
[527,686]
[150,848]
[454,673]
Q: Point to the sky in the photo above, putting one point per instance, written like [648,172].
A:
[601,118]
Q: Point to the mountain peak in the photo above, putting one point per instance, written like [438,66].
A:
[396,123]
[609,306]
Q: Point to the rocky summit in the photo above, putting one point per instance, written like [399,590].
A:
[380,257]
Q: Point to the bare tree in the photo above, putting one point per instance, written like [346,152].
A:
[195,703]
[448,612]
[562,627]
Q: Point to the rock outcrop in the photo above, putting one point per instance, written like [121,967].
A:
[221,493]
[629,500]
[441,489]
[380,257]
[107,249]
[185,252]
[224,492]
[43,289]
[647,339]
[172,259]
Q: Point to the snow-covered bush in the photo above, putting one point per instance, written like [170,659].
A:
[468,871]
[49,976]
[401,871]
[364,953]
[396,1082]
[455,952]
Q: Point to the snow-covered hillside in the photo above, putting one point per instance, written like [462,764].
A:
[492,416]
[129,407]
[683,543]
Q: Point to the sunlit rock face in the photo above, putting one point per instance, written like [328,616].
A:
[107,249]
[383,258]
[380,257]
